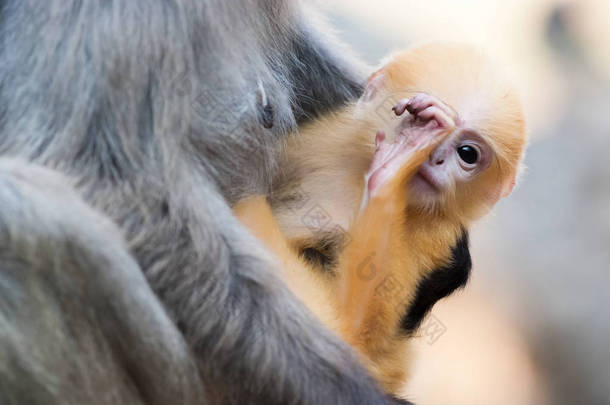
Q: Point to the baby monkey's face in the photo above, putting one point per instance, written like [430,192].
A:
[462,174]
[459,159]
[476,163]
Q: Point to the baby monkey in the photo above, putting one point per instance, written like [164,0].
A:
[434,142]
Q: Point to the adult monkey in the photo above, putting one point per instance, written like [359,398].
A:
[152,110]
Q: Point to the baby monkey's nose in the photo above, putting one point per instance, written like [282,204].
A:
[437,158]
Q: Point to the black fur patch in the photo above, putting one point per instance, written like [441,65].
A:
[317,257]
[323,251]
[316,72]
[399,401]
[439,284]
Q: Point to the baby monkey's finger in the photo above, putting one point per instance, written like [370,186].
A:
[421,101]
[436,117]
[401,106]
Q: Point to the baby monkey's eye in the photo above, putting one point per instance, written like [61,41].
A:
[469,154]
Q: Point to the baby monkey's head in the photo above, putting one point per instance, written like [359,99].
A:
[477,164]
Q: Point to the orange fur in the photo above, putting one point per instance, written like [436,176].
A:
[255,213]
[391,236]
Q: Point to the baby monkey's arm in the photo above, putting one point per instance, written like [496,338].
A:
[378,246]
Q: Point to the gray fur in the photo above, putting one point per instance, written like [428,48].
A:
[149,108]
[77,317]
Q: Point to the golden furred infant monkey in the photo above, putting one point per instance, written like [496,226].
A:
[434,142]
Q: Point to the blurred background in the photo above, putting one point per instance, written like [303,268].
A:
[533,326]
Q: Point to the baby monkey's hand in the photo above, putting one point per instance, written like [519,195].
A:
[428,124]
[424,107]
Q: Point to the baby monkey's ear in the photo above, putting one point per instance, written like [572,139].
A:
[508,187]
[500,191]
[374,86]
